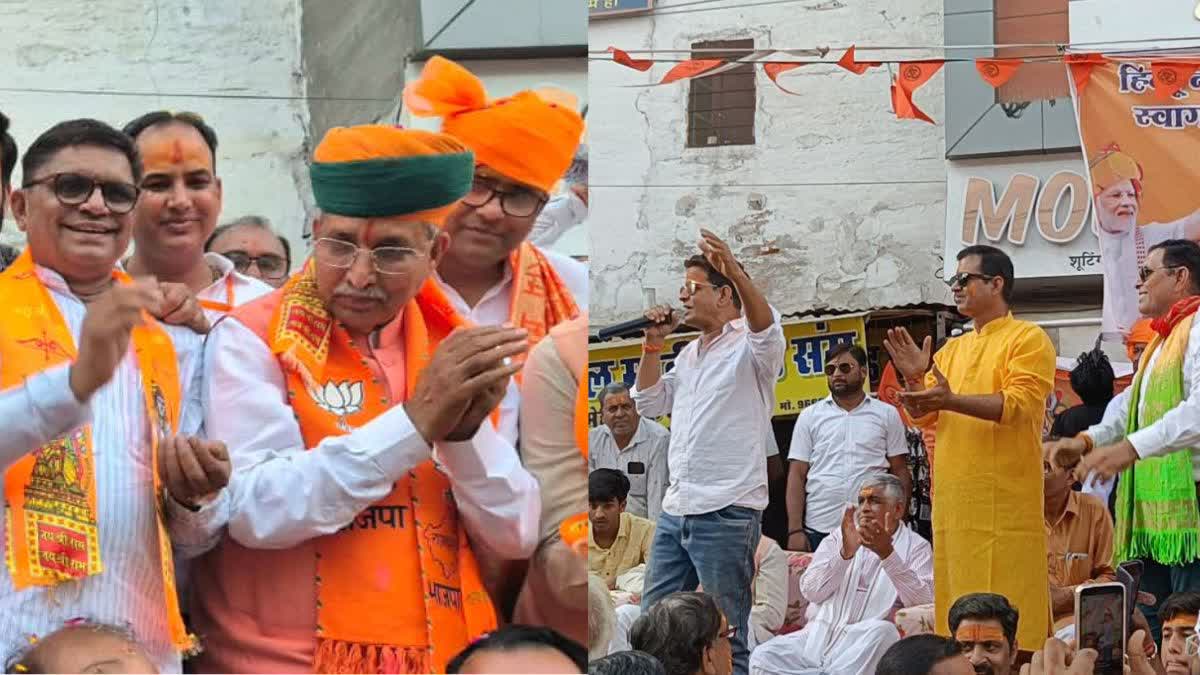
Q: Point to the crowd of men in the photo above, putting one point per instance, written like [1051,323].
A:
[358,467]
[676,538]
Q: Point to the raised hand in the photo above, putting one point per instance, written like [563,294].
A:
[470,363]
[717,252]
[911,360]
[104,336]
[876,536]
[850,539]
[930,400]
[1063,453]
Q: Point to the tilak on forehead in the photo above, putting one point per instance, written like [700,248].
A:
[163,152]
[975,632]
[1182,621]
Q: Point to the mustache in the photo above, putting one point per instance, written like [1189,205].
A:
[371,293]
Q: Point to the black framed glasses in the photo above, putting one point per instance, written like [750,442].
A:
[73,189]
[963,278]
[1145,272]
[842,368]
[386,259]
[518,203]
[270,265]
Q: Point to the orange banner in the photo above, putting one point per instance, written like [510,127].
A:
[774,70]
[622,57]
[690,68]
[997,71]
[853,65]
[913,74]
[1141,155]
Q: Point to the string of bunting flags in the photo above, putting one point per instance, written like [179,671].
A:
[1170,75]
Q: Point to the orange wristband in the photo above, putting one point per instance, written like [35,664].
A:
[650,350]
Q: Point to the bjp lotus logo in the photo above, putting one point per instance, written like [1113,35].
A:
[339,398]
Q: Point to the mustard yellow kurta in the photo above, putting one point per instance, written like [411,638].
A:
[989,533]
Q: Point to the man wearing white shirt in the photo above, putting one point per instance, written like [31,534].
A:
[719,395]
[178,210]
[563,212]
[90,407]
[1157,519]
[634,446]
[836,443]
[857,577]
[356,406]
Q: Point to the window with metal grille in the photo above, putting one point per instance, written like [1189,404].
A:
[721,107]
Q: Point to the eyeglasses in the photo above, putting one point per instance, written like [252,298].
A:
[842,368]
[386,259]
[1145,272]
[73,189]
[517,203]
[1192,645]
[963,278]
[689,287]
[271,266]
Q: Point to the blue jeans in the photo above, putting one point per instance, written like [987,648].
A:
[716,551]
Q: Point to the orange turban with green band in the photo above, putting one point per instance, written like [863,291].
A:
[376,170]
[528,137]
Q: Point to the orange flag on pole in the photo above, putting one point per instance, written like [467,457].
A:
[689,68]
[622,57]
[857,67]
[1170,77]
[913,75]
[774,70]
[997,71]
[1081,66]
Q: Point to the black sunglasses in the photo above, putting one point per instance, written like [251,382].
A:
[73,189]
[1144,272]
[963,278]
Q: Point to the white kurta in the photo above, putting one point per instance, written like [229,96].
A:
[129,592]
[851,600]
[494,308]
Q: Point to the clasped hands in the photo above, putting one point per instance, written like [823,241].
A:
[464,381]
[912,361]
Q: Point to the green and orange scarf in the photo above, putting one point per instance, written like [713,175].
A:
[1157,514]
[52,530]
[398,590]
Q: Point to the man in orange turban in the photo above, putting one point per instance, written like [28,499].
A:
[1117,190]
[1139,336]
[356,405]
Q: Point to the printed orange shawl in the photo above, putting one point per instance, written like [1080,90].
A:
[398,589]
[51,492]
[540,299]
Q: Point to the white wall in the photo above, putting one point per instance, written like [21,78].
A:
[1121,21]
[171,46]
[866,228]
[505,77]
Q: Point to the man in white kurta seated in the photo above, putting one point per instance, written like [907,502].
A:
[857,577]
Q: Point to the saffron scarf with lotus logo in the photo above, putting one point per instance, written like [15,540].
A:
[398,589]
[52,534]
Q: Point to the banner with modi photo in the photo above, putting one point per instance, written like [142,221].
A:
[1139,121]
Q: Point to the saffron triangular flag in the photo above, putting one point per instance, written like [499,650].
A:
[689,68]
[913,75]
[857,67]
[1081,66]
[1170,77]
[622,57]
[774,70]
[997,71]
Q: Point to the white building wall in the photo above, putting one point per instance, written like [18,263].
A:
[852,197]
[505,77]
[170,46]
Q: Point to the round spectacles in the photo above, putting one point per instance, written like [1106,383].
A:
[517,203]
[386,259]
[270,266]
[73,189]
